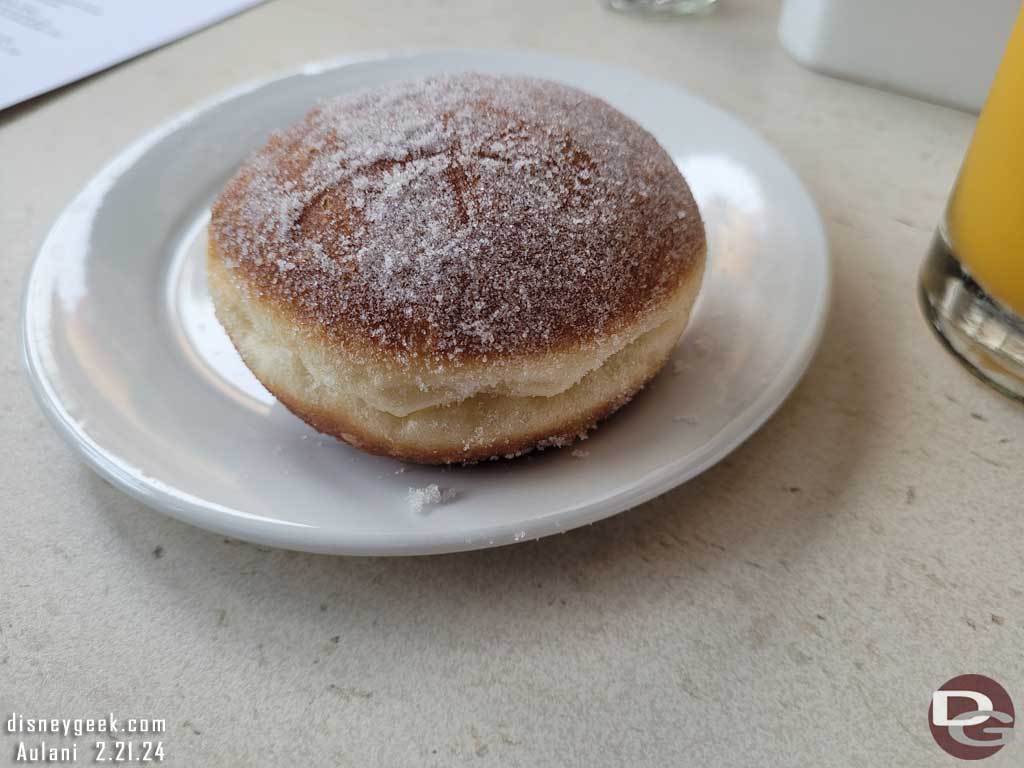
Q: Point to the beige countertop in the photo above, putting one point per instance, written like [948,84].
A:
[795,605]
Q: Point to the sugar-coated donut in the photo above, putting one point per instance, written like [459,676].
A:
[458,268]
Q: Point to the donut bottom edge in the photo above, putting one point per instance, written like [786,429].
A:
[479,428]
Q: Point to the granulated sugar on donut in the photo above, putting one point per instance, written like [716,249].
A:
[411,268]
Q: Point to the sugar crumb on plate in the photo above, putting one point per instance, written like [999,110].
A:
[430,495]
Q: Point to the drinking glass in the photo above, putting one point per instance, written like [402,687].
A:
[972,282]
[667,7]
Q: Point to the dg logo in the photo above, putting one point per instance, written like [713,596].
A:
[971,717]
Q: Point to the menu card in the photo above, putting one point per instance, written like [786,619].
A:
[45,44]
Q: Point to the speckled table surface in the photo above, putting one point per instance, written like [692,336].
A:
[795,605]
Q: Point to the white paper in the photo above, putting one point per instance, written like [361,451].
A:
[47,43]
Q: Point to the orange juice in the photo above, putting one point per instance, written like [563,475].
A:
[985,219]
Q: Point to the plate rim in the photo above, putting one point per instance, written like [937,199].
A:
[181,505]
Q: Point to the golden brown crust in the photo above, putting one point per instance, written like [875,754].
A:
[294,366]
[461,219]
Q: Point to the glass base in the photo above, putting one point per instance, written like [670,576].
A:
[662,7]
[985,337]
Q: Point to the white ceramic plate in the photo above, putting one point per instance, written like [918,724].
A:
[130,364]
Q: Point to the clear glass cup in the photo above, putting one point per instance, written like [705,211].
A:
[666,7]
[972,281]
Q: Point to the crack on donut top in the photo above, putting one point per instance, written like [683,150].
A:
[461,216]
